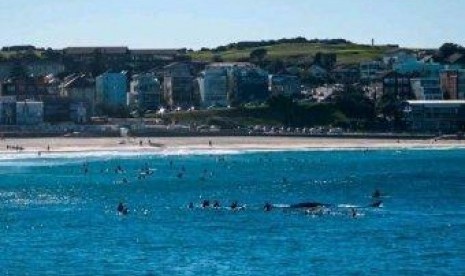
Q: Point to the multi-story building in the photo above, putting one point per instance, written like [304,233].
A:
[435,116]
[178,84]
[286,85]
[146,89]
[214,87]
[29,112]
[399,85]
[426,88]
[250,84]
[111,90]
[453,84]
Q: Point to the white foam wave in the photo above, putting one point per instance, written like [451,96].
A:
[110,154]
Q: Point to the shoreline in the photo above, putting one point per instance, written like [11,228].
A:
[154,145]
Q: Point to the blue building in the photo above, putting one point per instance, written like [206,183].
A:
[111,90]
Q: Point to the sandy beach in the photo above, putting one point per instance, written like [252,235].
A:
[156,144]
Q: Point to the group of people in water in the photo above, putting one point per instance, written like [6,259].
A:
[216,204]
[312,208]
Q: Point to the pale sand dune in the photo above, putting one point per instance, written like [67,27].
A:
[220,143]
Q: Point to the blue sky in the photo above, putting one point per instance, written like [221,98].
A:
[197,23]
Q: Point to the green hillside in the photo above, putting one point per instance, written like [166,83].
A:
[346,53]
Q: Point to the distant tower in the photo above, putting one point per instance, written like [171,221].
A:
[372,42]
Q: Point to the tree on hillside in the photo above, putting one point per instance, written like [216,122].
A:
[217,58]
[354,103]
[276,66]
[257,56]
[284,107]
[19,71]
[448,49]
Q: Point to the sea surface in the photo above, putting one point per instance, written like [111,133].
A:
[58,213]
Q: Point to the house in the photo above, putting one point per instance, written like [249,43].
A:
[111,90]
[426,88]
[146,89]
[435,116]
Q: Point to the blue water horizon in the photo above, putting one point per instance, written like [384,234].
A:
[58,213]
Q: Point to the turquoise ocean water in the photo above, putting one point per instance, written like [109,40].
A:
[56,218]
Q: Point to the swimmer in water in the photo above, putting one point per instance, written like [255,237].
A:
[268,206]
[216,204]
[191,205]
[123,210]
[353,212]
[234,205]
[376,194]
[206,203]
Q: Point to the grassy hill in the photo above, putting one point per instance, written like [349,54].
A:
[347,53]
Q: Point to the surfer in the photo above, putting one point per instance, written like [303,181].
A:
[123,210]
[205,203]
[376,194]
[268,206]
[376,204]
[191,205]
[234,205]
[353,212]
[216,204]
